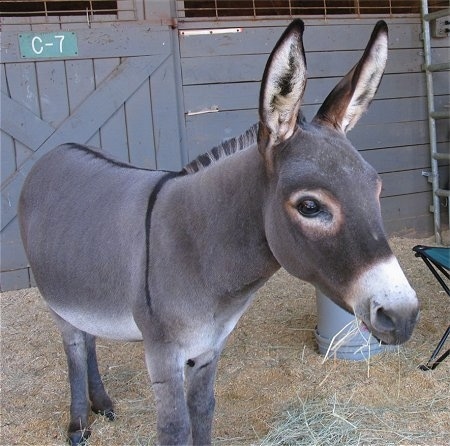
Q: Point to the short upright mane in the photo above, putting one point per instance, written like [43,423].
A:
[223,150]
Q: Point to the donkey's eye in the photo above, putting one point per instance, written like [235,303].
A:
[309,207]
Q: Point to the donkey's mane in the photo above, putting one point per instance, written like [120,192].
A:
[223,150]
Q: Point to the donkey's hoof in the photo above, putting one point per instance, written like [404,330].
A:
[107,413]
[78,438]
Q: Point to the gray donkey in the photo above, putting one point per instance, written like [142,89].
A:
[174,259]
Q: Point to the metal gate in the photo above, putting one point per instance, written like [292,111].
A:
[111,86]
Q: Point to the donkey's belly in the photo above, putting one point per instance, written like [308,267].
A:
[121,327]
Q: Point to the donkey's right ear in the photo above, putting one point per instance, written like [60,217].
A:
[282,88]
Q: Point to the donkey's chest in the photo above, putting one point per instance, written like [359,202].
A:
[207,330]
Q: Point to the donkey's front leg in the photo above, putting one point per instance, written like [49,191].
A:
[166,368]
[200,377]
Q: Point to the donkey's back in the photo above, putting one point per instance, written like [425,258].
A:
[87,213]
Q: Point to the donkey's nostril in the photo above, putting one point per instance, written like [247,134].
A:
[382,321]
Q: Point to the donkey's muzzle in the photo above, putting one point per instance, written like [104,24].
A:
[393,325]
[385,302]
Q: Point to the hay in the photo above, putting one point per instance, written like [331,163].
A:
[331,422]
[345,335]
[269,366]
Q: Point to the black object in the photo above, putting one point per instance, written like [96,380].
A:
[438,261]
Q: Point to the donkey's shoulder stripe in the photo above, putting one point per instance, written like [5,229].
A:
[148,220]
[105,157]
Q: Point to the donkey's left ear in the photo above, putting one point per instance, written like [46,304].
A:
[282,88]
[353,94]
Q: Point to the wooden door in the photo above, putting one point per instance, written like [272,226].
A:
[118,92]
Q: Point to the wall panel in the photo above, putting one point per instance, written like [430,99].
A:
[221,78]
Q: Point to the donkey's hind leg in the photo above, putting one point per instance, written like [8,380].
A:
[84,379]
[100,401]
[74,341]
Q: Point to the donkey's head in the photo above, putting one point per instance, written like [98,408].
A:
[322,219]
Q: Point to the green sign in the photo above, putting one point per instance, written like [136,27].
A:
[48,45]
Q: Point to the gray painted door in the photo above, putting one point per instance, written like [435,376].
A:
[119,93]
[222,65]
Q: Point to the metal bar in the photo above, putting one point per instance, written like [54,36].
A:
[442,156]
[193,11]
[212,109]
[440,114]
[431,122]
[442,193]
[71,12]
[202,32]
[435,15]
[445,66]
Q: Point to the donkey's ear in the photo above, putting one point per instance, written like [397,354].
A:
[282,88]
[353,94]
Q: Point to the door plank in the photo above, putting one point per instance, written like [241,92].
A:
[80,81]
[140,127]
[52,84]
[22,124]
[85,121]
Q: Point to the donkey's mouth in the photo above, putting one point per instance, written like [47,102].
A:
[396,336]
[386,303]
[365,327]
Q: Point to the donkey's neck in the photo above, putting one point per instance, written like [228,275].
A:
[220,222]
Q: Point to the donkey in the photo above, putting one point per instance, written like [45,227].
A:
[174,258]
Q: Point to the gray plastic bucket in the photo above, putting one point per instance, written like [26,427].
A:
[334,322]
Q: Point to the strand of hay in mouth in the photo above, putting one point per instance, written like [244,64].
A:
[331,423]
[345,335]
[351,330]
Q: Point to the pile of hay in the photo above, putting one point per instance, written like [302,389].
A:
[272,387]
[330,422]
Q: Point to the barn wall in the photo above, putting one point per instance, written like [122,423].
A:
[162,123]
[222,72]
[119,92]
